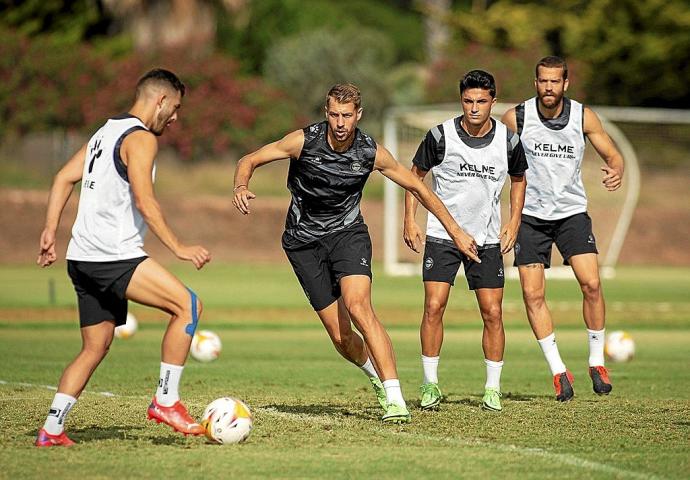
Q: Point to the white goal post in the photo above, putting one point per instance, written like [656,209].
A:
[422,118]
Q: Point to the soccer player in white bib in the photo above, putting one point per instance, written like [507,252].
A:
[105,257]
[470,157]
[553,129]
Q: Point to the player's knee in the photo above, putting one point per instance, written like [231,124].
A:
[492,316]
[533,297]
[360,311]
[433,310]
[591,288]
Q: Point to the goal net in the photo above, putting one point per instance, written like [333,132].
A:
[611,213]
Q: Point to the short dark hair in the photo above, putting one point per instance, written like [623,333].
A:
[478,79]
[345,93]
[552,61]
[161,76]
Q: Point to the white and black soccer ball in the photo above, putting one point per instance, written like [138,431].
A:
[227,420]
[128,329]
[206,346]
[619,347]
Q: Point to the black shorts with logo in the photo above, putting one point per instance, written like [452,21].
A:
[101,288]
[319,265]
[442,261]
[572,235]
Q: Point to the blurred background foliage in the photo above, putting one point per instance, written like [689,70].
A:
[258,68]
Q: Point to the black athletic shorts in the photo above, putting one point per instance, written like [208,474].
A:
[442,260]
[101,288]
[319,265]
[572,235]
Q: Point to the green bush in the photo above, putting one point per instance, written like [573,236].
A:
[307,65]
[45,85]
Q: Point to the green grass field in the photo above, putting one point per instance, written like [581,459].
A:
[315,416]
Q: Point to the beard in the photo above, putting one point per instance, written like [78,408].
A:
[551,100]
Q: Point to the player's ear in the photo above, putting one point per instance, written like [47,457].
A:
[565,85]
[359,113]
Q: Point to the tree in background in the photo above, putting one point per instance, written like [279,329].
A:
[638,53]
[305,66]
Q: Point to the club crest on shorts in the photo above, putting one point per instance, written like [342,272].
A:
[428,263]
[517,248]
[590,239]
[500,271]
[356,166]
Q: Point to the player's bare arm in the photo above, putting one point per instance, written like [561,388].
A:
[508,236]
[62,188]
[138,152]
[290,146]
[412,234]
[509,119]
[602,143]
[390,168]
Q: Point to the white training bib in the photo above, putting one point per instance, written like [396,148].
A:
[108,226]
[554,178]
[469,182]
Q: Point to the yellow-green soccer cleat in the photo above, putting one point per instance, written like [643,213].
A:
[431,396]
[380,392]
[492,400]
[396,414]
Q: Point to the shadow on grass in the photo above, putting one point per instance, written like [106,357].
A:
[96,433]
[324,410]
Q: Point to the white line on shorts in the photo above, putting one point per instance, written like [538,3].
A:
[329,420]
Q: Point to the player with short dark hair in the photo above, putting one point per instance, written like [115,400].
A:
[326,239]
[469,157]
[105,256]
[554,130]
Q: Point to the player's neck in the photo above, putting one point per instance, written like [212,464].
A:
[146,115]
[550,113]
[476,131]
[337,146]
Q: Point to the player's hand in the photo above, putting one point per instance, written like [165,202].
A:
[413,236]
[196,254]
[241,199]
[46,255]
[509,236]
[612,179]
[467,245]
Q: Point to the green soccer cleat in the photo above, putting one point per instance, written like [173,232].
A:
[396,414]
[431,396]
[380,392]
[492,400]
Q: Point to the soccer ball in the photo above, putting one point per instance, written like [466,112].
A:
[619,347]
[206,346]
[128,329]
[227,420]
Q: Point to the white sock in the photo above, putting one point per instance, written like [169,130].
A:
[430,367]
[55,421]
[493,374]
[393,392]
[553,358]
[368,369]
[596,347]
[168,384]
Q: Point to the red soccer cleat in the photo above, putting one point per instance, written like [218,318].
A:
[176,416]
[45,439]
[563,383]
[601,384]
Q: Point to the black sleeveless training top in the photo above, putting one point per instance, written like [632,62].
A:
[326,186]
